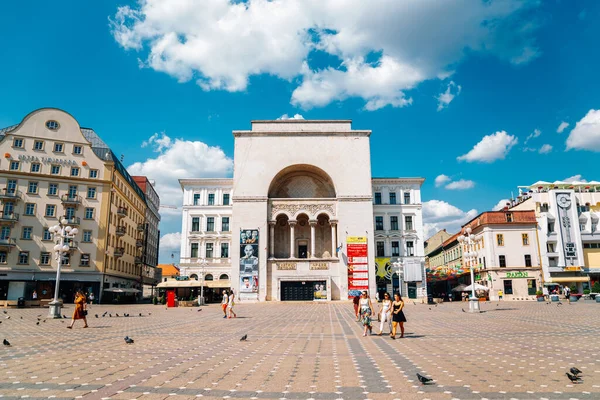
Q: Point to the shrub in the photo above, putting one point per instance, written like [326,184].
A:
[539,293]
[574,289]
[586,291]
[596,287]
[163,300]
[154,300]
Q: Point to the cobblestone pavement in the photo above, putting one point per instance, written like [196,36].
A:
[303,351]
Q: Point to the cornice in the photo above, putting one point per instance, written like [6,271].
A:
[250,199]
[301,133]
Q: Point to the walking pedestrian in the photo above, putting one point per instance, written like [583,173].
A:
[398,317]
[34,295]
[366,311]
[230,304]
[80,309]
[355,301]
[92,298]
[385,313]
[224,303]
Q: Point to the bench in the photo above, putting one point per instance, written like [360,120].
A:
[14,303]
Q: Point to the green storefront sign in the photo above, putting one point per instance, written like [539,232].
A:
[520,274]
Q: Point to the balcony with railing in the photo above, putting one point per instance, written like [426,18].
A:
[7,194]
[119,251]
[141,227]
[70,199]
[73,220]
[138,260]
[122,212]
[121,230]
[7,243]
[8,218]
[139,243]
[73,245]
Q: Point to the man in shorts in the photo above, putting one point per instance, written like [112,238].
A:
[224,303]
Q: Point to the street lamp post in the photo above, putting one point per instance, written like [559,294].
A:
[470,256]
[203,264]
[61,231]
[399,267]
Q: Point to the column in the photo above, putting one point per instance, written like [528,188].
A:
[292,240]
[313,232]
[333,237]
[272,238]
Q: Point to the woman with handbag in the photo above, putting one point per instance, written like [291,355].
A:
[80,309]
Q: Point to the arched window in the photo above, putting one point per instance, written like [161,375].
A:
[194,277]
[208,277]
[224,277]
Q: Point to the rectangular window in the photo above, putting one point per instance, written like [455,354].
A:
[77,149]
[226,199]
[209,250]
[26,234]
[55,170]
[74,171]
[196,199]
[50,210]
[11,186]
[89,213]
[195,224]
[210,224]
[87,236]
[224,250]
[211,199]
[65,259]
[58,147]
[46,235]
[377,198]
[394,223]
[91,192]
[69,212]
[85,260]
[32,188]
[484,265]
[550,247]
[392,198]
[194,250]
[14,165]
[44,258]
[550,226]
[527,260]
[72,191]
[36,167]
[531,287]
[29,208]
[38,145]
[23,257]
[407,198]
[380,249]
[52,189]
[525,239]
[5,232]
[508,286]
[502,261]
[378,223]
[500,239]
[93,173]
[225,224]
[3,257]
[408,222]
[509,217]
[18,143]
[395,249]
[410,249]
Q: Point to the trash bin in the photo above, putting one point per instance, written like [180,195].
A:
[429,298]
[21,302]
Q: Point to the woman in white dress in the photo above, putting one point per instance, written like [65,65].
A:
[230,304]
[385,313]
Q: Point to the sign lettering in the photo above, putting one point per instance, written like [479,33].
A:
[319,265]
[47,160]
[286,266]
[518,274]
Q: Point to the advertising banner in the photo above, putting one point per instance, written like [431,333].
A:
[358,267]
[248,264]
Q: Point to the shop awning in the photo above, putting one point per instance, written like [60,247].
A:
[122,290]
[195,284]
[568,279]
[221,284]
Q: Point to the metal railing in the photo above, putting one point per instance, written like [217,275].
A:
[10,194]
[73,220]
[68,199]
[119,251]
[122,211]
[121,230]
[7,242]
[9,217]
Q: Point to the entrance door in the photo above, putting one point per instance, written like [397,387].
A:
[412,290]
[297,291]
[302,251]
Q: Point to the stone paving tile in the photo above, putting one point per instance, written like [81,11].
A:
[303,351]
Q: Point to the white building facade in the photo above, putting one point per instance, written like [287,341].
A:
[300,214]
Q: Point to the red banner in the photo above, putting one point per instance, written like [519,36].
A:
[358,265]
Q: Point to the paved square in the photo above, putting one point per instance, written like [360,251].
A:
[302,351]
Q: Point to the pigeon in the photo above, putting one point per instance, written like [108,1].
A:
[140,314]
[5,312]
[21,317]
[105,312]
[429,308]
[414,303]
[423,379]
[575,371]
[497,304]
[559,304]
[96,315]
[116,314]
[199,309]
[64,316]
[8,317]
[244,338]
[149,313]
[463,310]
[39,315]
[128,340]
[37,323]
[6,342]
[109,315]
[573,378]
[44,321]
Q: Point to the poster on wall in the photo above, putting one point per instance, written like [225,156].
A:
[248,264]
[358,265]
[320,290]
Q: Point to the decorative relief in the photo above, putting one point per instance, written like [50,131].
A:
[292,209]
[319,265]
[286,266]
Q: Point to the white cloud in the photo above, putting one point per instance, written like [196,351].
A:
[460,185]
[441,179]
[501,204]
[170,242]
[574,178]
[382,47]
[563,125]
[491,148]
[445,98]
[545,149]
[178,159]
[586,134]
[286,117]
[438,214]
[533,135]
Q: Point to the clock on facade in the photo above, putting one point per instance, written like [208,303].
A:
[563,200]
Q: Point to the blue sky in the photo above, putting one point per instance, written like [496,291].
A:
[191,72]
